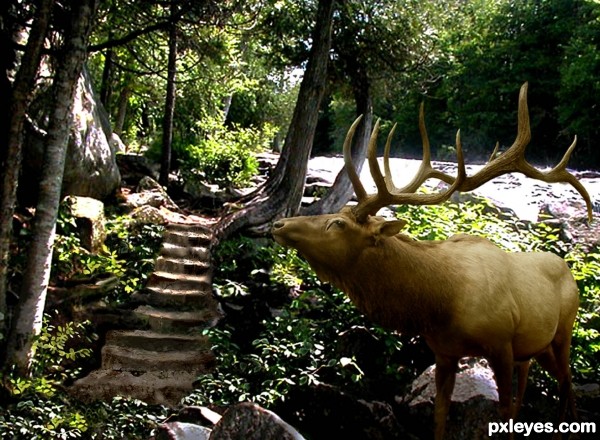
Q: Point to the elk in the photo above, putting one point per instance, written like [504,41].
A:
[464,296]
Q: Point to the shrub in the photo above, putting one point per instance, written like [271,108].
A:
[129,253]
[226,157]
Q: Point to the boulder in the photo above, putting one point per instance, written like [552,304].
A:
[325,411]
[474,402]
[89,218]
[244,421]
[248,421]
[90,169]
[210,193]
[148,193]
[181,431]
[134,167]
[149,215]
[570,218]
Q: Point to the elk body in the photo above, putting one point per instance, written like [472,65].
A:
[464,295]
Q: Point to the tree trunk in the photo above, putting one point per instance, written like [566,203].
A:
[29,313]
[282,193]
[341,191]
[354,65]
[226,101]
[105,85]
[122,109]
[22,95]
[165,166]
[7,62]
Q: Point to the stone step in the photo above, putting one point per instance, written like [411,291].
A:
[194,227]
[187,238]
[119,358]
[168,280]
[186,298]
[153,387]
[158,342]
[171,250]
[173,321]
[180,265]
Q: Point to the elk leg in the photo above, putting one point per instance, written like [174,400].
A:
[555,360]
[445,376]
[562,352]
[522,373]
[503,366]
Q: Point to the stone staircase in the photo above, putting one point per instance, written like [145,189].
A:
[159,362]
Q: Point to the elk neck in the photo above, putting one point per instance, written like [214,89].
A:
[402,284]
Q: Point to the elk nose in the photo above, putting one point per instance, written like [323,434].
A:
[278,224]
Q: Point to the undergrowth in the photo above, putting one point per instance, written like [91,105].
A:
[297,343]
[282,331]
[38,406]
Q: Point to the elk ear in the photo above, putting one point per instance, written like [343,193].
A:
[388,229]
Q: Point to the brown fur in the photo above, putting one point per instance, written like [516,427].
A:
[464,295]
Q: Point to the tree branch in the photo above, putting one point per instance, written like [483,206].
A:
[129,37]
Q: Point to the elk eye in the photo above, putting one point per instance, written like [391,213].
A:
[337,223]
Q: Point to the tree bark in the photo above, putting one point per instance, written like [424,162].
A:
[165,166]
[282,193]
[355,65]
[341,191]
[8,57]
[28,318]
[122,109]
[22,95]
[105,85]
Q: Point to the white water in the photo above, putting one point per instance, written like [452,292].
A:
[523,195]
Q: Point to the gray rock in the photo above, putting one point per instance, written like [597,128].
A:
[90,169]
[474,402]
[587,390]
[182,431]
[89,217]
[474,379]
[248,421]
[149,193]
[134,167]
[146,215]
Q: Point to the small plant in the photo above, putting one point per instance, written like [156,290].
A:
[132,249]
[129,253]
[57,350]
[40,411]
[297,346]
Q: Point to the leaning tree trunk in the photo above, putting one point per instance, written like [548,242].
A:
[341,191]
[29,313]
[282,193]
[165,166]
[22,95]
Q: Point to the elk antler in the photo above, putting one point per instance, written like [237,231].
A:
[387,193]
[512,160]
